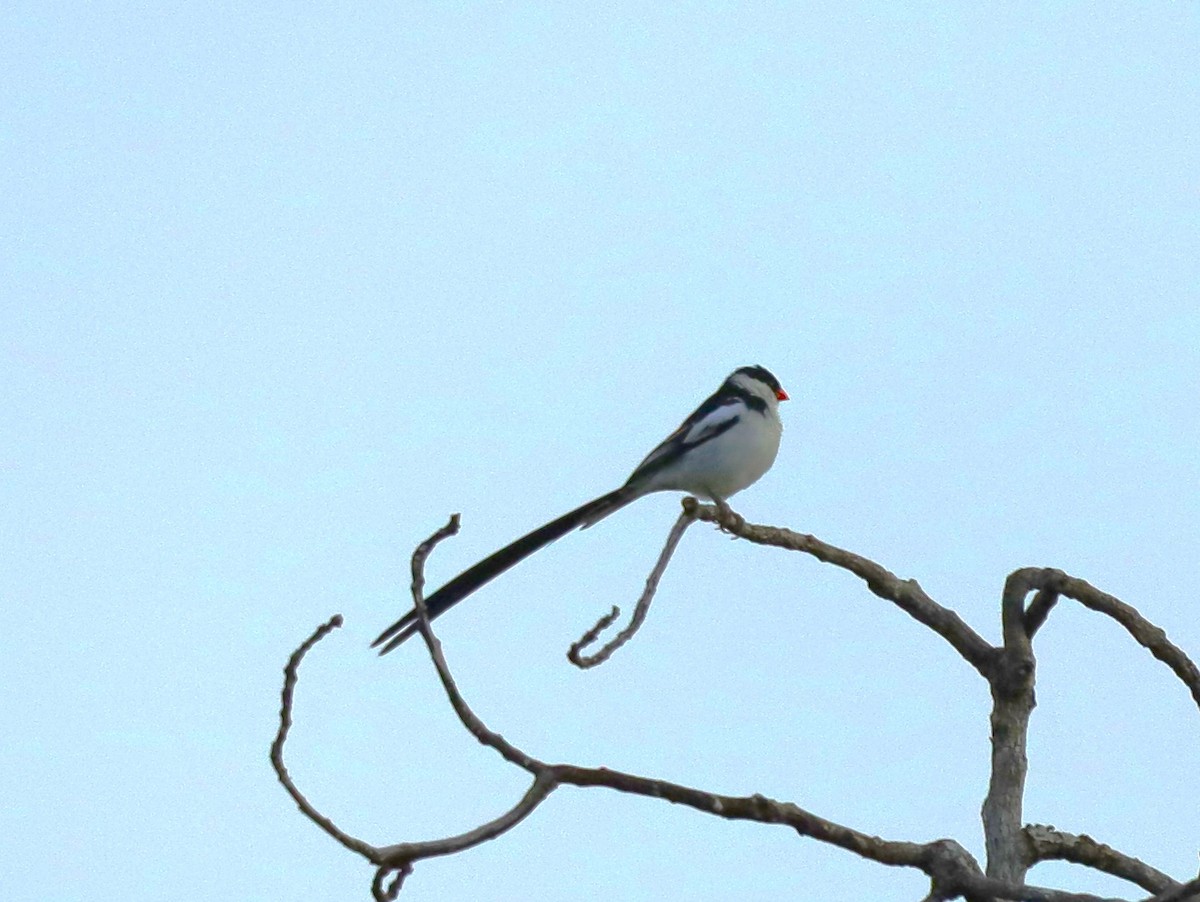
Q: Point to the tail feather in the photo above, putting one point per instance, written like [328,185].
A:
[495,564]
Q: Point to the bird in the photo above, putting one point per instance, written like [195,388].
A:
[724,446]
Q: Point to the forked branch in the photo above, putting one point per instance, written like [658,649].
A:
[1052,583]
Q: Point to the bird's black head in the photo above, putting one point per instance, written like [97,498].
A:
[763,375]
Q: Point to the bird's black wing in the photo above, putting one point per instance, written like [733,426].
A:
[718,414]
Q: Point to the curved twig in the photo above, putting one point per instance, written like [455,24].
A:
[469,719]
[291,674]
[403,854]
[575,654]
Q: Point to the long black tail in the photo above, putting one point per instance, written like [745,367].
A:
[493,565]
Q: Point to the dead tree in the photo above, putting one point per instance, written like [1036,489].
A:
[1012,846]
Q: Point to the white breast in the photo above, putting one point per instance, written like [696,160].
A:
[732,461]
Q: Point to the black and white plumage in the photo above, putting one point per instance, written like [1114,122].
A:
[726,445]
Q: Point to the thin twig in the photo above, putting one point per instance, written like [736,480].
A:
[575,653]
[605,621]
[291,674]
[469,719]
[402,854]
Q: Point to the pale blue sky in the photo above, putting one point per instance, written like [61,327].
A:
[283,288]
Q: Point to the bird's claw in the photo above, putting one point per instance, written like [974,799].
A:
[728,521]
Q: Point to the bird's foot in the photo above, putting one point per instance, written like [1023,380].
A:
[728,520]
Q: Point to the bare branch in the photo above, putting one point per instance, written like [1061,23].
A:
[952,871]
[756,808]
[422,552]
[1152,638]
[1013,701]
[381,893]
[905,594]
[1183,892]
[1049,844]
[291,674]
[592,635]
[1012,611]
[395,861]
[402,854]
[943,860]
[991,888]
[548,777]
[469,719]
[575,653]
[1039,609]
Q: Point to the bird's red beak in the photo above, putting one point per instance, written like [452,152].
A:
[781,395]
